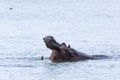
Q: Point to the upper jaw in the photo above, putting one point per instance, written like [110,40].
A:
[51,43]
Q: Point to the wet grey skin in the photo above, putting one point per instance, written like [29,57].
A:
[62,52]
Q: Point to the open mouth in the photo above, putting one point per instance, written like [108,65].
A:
[51,43]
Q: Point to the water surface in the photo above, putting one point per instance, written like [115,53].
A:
[91,27]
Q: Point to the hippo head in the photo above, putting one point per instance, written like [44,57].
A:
[51,43]
[60,52]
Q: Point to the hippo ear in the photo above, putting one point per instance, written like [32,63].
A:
[63,43]
[64,46]
[69,46]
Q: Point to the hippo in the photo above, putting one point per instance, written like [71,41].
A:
[64,53]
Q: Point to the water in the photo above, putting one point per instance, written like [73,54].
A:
[91,27]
